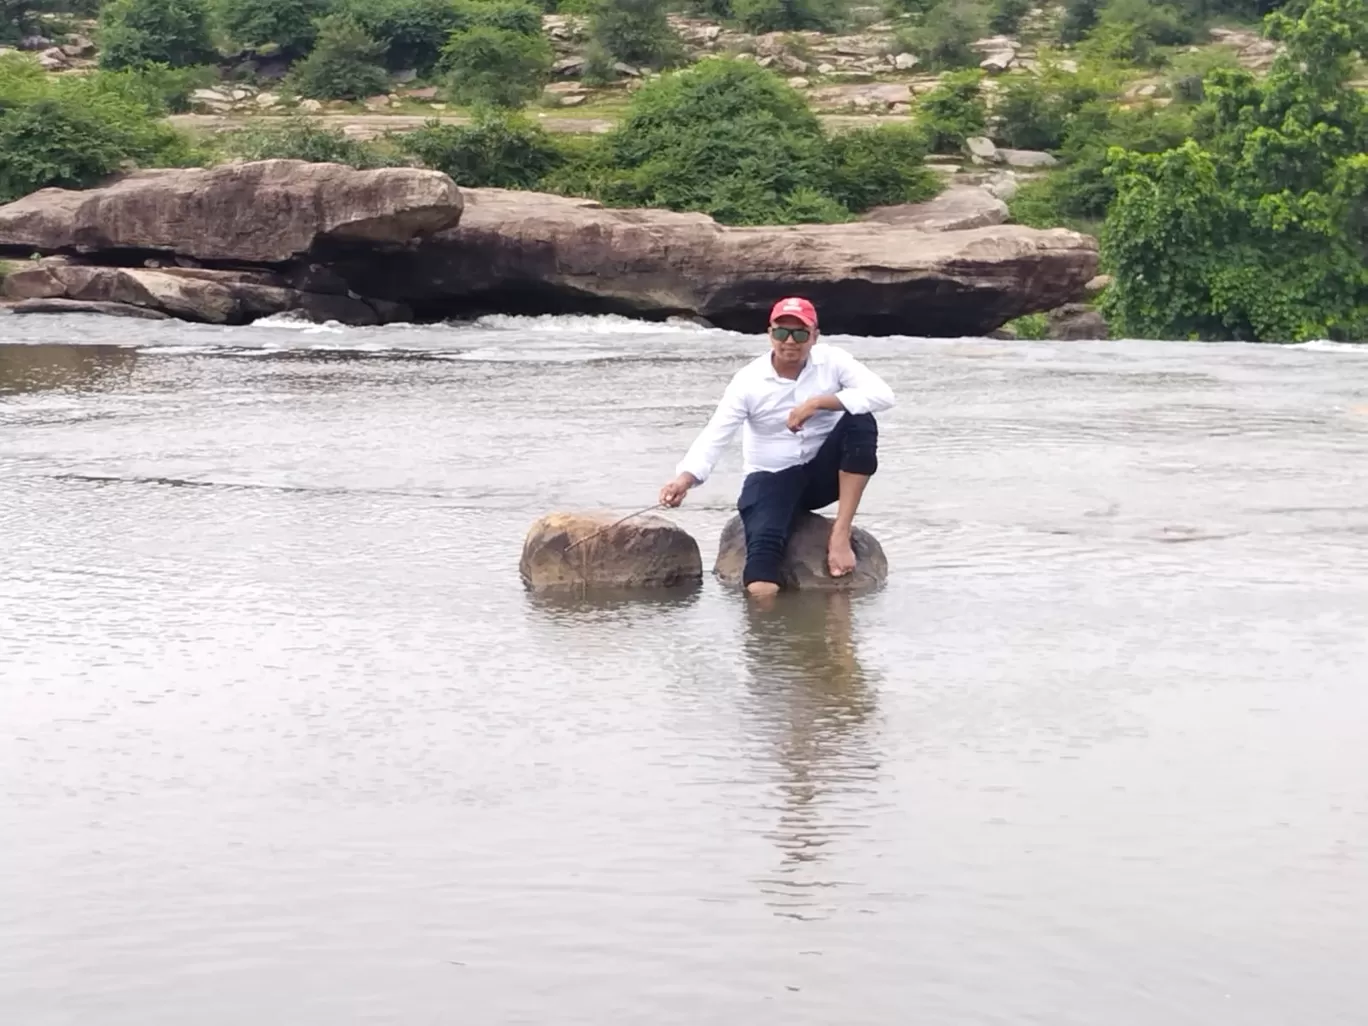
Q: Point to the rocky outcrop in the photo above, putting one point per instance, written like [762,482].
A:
[575,553]
[805,561]
[76,306]
[230,244]
[537,253]
[263,212]
[214,297]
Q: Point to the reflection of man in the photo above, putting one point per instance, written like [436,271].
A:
[810,440]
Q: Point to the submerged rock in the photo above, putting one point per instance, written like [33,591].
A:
[805,562]
[575,552]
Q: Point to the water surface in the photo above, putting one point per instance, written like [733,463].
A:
[283,739]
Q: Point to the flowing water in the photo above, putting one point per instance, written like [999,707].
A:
[283,740]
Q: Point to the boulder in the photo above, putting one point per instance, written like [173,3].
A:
[958,208]
[214,297]
[905,61]
[1074,322]
[571,552]
[76,306]
[268,211]
[805,562]
[982,150]
[1026,158]
[998,61]
[1096,286]
[540,253]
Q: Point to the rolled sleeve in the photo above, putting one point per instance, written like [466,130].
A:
[862,391]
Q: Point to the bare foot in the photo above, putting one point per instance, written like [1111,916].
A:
[840,553]
[762,589]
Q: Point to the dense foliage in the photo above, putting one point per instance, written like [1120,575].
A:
[345,65]
[135,33]
[1255,228]
[497,66]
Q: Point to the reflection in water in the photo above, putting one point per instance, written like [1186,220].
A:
[35,368]
[813,701]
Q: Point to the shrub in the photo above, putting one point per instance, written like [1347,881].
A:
[942,40]
[133,33]
[509,15]
[733,140]
[634,31]
[289,24]
[501,150]
[344,65]
[299,138]
[786,15]
[72,131]
[496,66]
[1080,17]
[1034,112]
[1007,15]
[412,31]
[878,166]
[952,112]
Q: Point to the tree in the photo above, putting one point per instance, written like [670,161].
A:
[1254,230]
[785,15]
[413,31]
[344,65]
[501,150]
[496,66]
[633,31]
[133,33]
[289,24]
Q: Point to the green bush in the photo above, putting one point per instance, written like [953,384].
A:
[499,150]
[133,33]
[635,32]
[1007,15]
[509,15]
[496,66]
[943,37]
[952,112]
[733,140]
[299,138]
[345,63]
[786,15]
[1254,230]
[1033,112]
[1080,18]
[412,31]
[289,24]
[881,165]
[72,131]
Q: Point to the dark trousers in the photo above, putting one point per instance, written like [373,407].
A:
[771,500]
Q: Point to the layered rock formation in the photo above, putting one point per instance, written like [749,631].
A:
[574,553]
[237,242]
[805,561]
[537,253]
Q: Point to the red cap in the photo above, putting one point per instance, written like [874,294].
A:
[795,307]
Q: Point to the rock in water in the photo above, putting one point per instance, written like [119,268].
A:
[805,563]
[645,552]
[262,212]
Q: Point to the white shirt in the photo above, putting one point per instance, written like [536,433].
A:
[762,400]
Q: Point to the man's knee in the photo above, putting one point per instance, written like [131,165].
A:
[860,444]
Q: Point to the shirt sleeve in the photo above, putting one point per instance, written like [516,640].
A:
[862,391]
[712,440]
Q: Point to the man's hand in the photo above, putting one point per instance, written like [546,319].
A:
[674,491]
[800,413]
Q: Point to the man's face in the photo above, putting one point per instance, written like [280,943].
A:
[791,339]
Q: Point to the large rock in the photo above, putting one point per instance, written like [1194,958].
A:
[76,306]
[1075,322]
[957,208]
[537,253]
[571,552]
[215,297]
[263,212]
[805,562]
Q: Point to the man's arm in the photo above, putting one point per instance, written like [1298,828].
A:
[707,448]
[862,391]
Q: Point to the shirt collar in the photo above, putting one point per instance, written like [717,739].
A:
[767,364]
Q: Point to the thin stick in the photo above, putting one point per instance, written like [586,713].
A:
[601,530]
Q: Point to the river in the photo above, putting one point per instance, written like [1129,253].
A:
[283,739]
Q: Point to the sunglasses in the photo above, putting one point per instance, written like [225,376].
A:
[799,335]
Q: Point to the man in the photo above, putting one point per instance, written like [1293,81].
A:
[810,440]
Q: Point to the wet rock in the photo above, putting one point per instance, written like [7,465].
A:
[958,208]
[75,306]
[263,212]
[805,562]
[1075,322]
[541,253]
[572,552]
